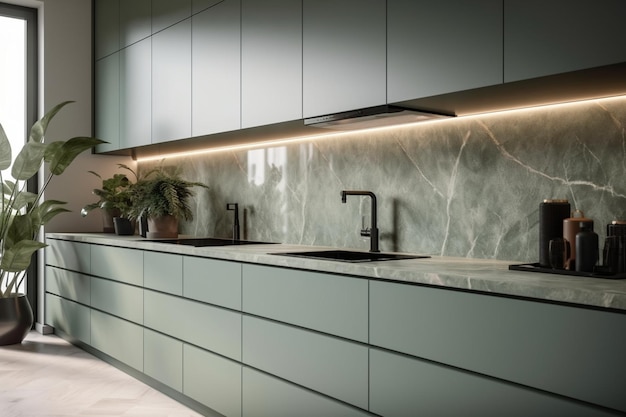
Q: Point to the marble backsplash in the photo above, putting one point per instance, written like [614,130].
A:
[467,187]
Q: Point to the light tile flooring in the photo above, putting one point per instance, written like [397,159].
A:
[46,376]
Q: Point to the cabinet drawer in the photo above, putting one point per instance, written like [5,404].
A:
[556,348]
[69,317]
[118,299]
[120,264]
[323,363]
[265,396]
[117,338]
[68,284]
[213,381]
[328,303]
[163,272]
[402,386]
[163,359]
[209,327]
[69,255]
[212,281]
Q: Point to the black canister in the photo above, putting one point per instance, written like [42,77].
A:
[586,248]
[551,216]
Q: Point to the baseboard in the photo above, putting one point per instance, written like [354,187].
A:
[44,328]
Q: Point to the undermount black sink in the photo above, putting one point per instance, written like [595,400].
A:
[208,241]
[350,256]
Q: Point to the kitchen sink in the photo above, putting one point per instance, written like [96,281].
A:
[208,241]
[350,256]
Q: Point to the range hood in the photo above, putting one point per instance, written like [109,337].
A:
[386,115]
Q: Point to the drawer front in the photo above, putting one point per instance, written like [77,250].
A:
[120,264]
[570,351]
[118,299]
[69,317]
[163,272]
[69,255]
[402,386]
[213,381]
[212,281]
[163,359]
[328,303]
[117,338]
[68,284]
[326,364]
[208,327]
[265,396]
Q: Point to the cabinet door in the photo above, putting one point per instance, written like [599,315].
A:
[135,21]
[171,83]
[68,284]
[120,264]
[69,317]
[117,338]
[266,396]
[213,381]
[136,94]
[402,386]
[216,69]
[163,359]
[442,47]
[121,300]
[166,13]
[163,272]
[212,281]
[74,256]
[343,55]
[107,102]
[550,37]
[326,364]
[271,61]
[106,27]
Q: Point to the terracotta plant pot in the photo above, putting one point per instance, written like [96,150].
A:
[16,319]
[162,227]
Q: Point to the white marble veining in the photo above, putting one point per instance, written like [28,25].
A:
[490,276]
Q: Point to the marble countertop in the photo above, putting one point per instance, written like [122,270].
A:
[489,276]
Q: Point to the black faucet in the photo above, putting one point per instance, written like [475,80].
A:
[372,232]
[235,207]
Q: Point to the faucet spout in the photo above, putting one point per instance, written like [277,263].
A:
[235,207]
[373,231]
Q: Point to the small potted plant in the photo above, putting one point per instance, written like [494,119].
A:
[115,202]
[162,197]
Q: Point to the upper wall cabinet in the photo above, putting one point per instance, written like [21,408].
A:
[136,94]
[271,78]
[216,69]
[107,102]
[550,37]
[343,55]
[107,27]
[166,13]
[135,21]
[441,47]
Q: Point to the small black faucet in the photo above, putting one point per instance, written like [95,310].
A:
[372,232]
[235,207]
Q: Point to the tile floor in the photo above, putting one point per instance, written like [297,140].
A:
[45,376]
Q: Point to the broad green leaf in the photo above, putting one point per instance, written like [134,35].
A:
[61,157]
[48,209]
[38,130]
[28,161]
[22,199]
[20,229]
[18,257]
[5,150]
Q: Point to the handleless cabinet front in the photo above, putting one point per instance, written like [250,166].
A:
[68,284]
[136,94]
[212,281]
[163,359]
[119,264]
[69,317]
[107,102]
[117,338]
[163,272]
[74,256]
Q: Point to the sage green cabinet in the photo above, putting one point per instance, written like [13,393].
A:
[200,5]
[550,347]
[328,303]
[551,37]
[401,386]
[135,21]
[136,94]
[212,380]
[216,69]
[271,61]
[74,256]
[166,13]
[344,47]
[69,317]
[212,281]
[163,359]
[106,27]
[68,284]
[107,102]
[120,264]
[121,300]
[171,83]
[326,364]
[267,396]
[120,339]
[163,272]
[441,47]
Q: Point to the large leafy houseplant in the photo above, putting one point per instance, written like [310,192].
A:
[22,213]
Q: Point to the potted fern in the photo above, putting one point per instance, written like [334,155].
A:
[22,214]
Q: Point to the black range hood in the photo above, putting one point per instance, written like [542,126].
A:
[386,115]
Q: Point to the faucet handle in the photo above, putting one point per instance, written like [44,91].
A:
[366,232]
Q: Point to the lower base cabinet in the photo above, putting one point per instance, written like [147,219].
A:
[118,338]
[401,386]
[69,317]
[163,359]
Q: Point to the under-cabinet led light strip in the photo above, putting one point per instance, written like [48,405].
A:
[321,136]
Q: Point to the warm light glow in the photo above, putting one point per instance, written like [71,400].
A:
[334,135]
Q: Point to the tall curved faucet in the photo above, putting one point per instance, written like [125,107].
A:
[372,232]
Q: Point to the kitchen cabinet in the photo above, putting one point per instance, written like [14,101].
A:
[344,47]
[135,21]
[69,317]
[136,94]
[68,284]
[166,13]
[216,69]
[442,47]
[107,102]
[545,38]
[120,339]
[74,256]
[163,359]
[106,27]
[120,300]
[118,264]
[163,272]
[220,287]
[271,61]
[200,5]
[171,83]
